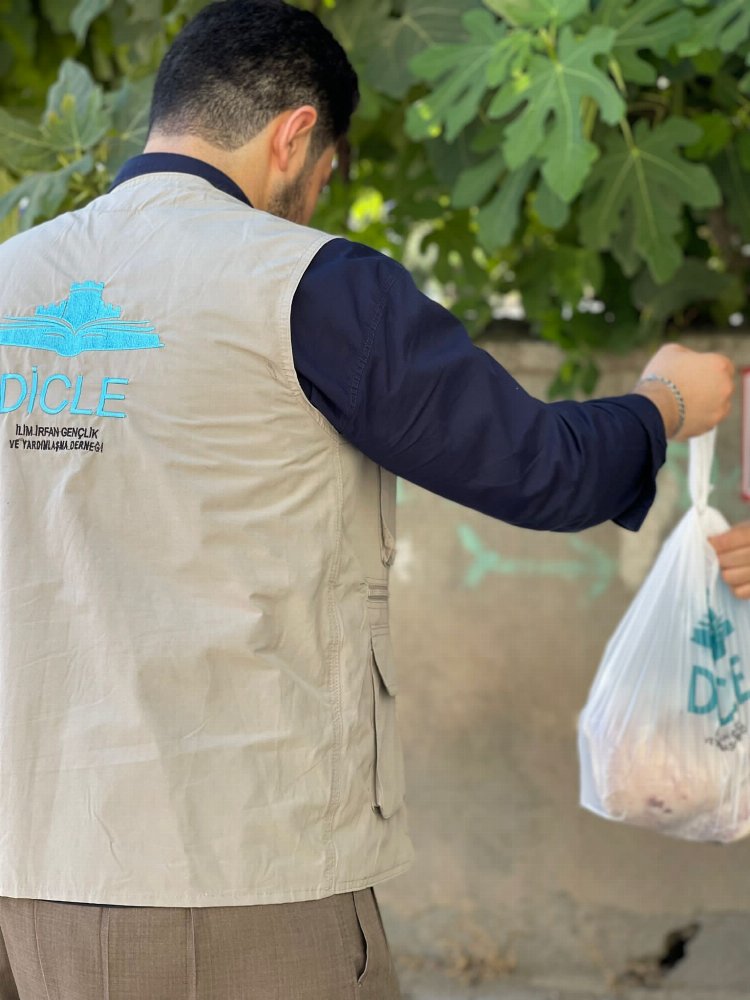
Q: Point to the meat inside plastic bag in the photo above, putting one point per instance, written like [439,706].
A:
[663,739]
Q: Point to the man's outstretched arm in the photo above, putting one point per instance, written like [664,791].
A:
[399,377]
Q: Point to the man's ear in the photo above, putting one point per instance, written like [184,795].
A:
[291,137]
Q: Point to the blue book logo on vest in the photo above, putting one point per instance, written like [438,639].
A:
[82,322]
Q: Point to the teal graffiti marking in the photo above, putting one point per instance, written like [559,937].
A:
[82,322]
[593,564]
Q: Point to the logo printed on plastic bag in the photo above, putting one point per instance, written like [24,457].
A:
[722,687]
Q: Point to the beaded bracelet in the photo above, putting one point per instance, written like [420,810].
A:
[675,392]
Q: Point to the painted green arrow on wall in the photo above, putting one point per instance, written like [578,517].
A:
[592,563]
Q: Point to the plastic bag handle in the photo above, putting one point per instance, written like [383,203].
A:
[701,462]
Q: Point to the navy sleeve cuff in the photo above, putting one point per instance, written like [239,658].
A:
[648,413]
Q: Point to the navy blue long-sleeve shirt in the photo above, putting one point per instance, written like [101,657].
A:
[398,376]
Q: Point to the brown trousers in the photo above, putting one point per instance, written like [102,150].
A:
[326,949]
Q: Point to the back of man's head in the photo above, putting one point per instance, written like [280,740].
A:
[240,63]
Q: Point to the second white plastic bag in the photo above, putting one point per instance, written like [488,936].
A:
[663,739]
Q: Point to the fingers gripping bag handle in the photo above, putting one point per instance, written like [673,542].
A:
[663,738]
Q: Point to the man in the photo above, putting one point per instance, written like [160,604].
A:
[206,404]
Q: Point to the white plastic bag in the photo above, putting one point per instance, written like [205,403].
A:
[663,740]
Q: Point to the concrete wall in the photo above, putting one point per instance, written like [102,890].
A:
[499,632]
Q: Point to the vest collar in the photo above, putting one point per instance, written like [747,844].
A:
[151,163]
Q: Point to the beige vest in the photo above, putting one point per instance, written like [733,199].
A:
[197,686]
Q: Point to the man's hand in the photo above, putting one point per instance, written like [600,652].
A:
[705,381]
[733,550]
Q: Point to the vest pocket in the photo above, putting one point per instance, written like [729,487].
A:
[390,785]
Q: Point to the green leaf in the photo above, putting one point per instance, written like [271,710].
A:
[454,242]
[143,10]
[358,25]
[476,182]
[551,210]
[625,249]
[636,195]
[84,14]
[139,41]
[22,147]
[423,24]
[59,13]
[18,26]
[45,193]
[725,26]
[499,218]
[743,149]
[555,90]
[129,110]
[537,14]
[462,69]
[450,160]
[576,374]
[9,222]
[708,63]
[651,25]
[734,178]
[717,134]
[371,103]
[488,138]
[187,9]
[75,118]
[510,60]
[557,277]
[693,282]
[744,83]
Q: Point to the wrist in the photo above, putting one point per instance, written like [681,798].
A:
[668,400]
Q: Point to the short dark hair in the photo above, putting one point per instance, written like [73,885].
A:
[240,63]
